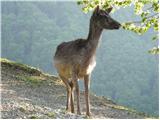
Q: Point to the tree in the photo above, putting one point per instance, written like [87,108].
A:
[147,10]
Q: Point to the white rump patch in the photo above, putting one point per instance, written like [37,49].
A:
[91,67]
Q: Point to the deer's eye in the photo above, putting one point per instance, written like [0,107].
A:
[102,14]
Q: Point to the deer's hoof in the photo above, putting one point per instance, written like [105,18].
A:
[88,114]
[72,111]
[78,112]
[68,110]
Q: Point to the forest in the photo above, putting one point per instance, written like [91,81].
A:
[125,72]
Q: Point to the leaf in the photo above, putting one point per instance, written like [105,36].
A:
[156,26]
[155,38]
[144,19]
[154,50]
[79,2]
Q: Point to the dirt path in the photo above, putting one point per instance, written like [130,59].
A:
[27,94]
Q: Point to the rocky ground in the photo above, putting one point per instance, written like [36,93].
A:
[28,93]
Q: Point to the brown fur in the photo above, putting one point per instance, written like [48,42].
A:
[76,59]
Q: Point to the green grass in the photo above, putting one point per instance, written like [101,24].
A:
[29,74]
[130,110]
[51,114]
[22,109]
[33,117]
[19,66]
[122,108]
[32,80]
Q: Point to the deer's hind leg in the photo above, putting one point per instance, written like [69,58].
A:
[78,97]
[87,86]
[75,86]
[69,93]
[72,96]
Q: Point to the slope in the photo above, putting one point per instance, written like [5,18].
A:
[28,93]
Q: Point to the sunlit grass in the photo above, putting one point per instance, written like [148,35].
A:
[32,80]
[20,66]
[51,114]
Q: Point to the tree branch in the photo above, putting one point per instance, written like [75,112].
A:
[148,8]
[140,21]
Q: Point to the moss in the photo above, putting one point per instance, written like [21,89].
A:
[122,108]
[63,110]
[19,66]
[22,109]
[32,80]
[51,114]
[132,111]
[29,74]
[33,117]
[50,76]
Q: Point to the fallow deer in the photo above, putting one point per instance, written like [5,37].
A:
[76,59]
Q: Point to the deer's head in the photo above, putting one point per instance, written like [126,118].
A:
[103,20]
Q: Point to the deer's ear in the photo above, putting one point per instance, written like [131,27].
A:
[96,10]
[109,10]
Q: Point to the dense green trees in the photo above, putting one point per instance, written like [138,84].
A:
[125,72]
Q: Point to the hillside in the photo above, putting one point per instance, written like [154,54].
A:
[29,93]
[31,29]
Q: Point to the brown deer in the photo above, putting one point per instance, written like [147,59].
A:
[76,59]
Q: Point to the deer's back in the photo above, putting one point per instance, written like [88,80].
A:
[72,51]
[74,55]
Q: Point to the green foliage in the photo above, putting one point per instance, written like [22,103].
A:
[51,115]
[147,9]
[154,50]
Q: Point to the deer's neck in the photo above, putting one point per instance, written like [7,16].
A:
[94,37]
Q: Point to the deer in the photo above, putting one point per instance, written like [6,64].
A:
[76,59]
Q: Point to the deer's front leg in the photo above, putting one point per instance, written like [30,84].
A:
[68,88]
[72,99]
[68,105]
[73,85]
[87,85]
[78,99]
